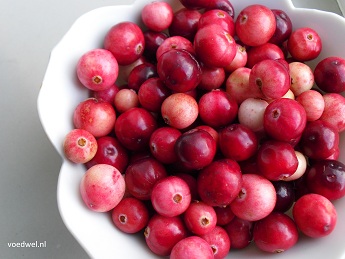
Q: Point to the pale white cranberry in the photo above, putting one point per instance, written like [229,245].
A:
[302,77]
[251,113]
[301,168]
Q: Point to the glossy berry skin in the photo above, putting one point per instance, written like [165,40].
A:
[162,233]
[157,16]
[126,41]
[102,187]
[283,27]
[185,23]
[240,232]
[106,95]
[276,233]
[130,215]
[265,51]
[140,74]
[327,177]
[200,218]
[141,176]
[217,108]
[134,127]
[329,74]
[97,69]
[219,241]
[224,215]
[171,196]
[285,195]
[285,119]
[217,16]
[334,111]
[220,182]
[195,149]
[179,70]
[216,51]
[315,215]
[192,247]
[276,160]
[319,140]
[111,152]
[175,43]
[237,142]
[152,42]
[252,19]
[212,78]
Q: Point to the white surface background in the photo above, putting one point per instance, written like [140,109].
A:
[29,164]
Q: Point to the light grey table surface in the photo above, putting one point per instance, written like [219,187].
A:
[29,165]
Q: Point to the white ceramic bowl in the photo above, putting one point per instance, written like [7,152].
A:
[61,92]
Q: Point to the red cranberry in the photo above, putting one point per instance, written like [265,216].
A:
[157,16]
[140,74]
[195,149]
[192,247]
[152,42]
[185,23]
[240,232]
[163,233]
[327,177]
[219,241]
[224,5]
[240,59]
[211,78]
[314,215]
[106,95]
[220,182]
[334,111]
[130,215]
[142,175]
[313,104]
[265,51]
[217,16]
[283,27]
[175,43]
[276,233]
[224,215]
[134,127]
[192,183]
[126,41]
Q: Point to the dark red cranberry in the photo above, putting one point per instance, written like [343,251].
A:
[106,95]
[185,23]
[224,5]
[240,232]
[219,241]
[140,74]
[224,215]
[152,41]
[283,27]
[285,195]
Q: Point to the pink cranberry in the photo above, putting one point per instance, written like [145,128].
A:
[134,127]
[179,110]
[304,44]
[96,116]
[283,27]
[240,232]
[102,187]
[217,16]
[163,233]
[192,247]
[217,108]
[126,41]
[334,112]
[200,218]
[219,241]
[97,69]
[185,23]
[141,176]
[195,149]
[330,74]
[216,51]
[251,113]
[313,104]
[315,215]
[265,51]
[256,199]
[130,215]
[79,146]
[157,16]
[276,233]
[220,182]
[111,152]
[302,77]
[253,19]
[240,59]
[125,99]
[171,196]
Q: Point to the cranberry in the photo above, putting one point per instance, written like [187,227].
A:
[125,99]
[185,23]
[141,176]
[157,16]
[256,199]
[179,110]
[240,232]
[240,59]
[217,108]
[219,241]
[171,196]
[192,184]
[314,215]
[192,247]
[211,78]
[111,152]
[283,27]
[140,74]
[163,233]
[102,187]
[285,195]
[285,119]
[276,233]
[152,42]
[195,4]
[319,140]
[330,74]
[304,44]
[301,168]
[327,177]
[134,127]
[252,19]
[313,104]
[97,69]
[195,149]
[106,95]
[302,77]
[179,70]
[251,113]
[217,16]
[79,146]
[272,151]
[220,182]
[224,215]
[216,51]
[224,5]
[96,116]
[237,142]
[126,41]
[265,51]
[200,218]
[334,111]
[130,215]
[175,43]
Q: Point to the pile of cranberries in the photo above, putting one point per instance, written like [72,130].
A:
[220,134]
